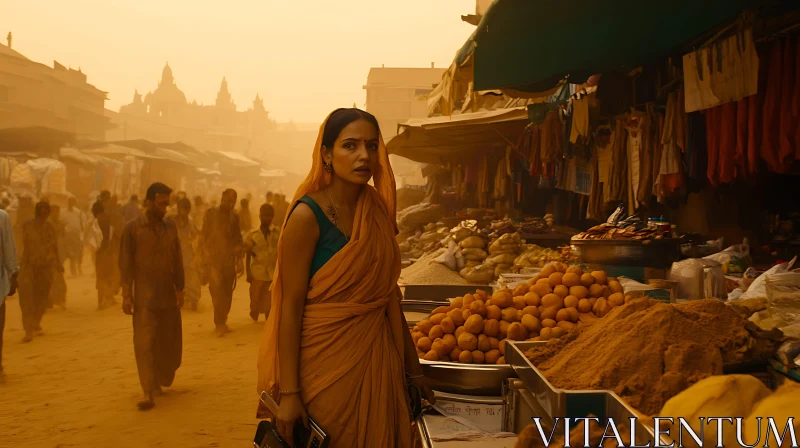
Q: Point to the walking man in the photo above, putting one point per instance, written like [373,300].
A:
[8,274]
[261,248]
[151,266]
[39,259]
[74,228]
[221,242]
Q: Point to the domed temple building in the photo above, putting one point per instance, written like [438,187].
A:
[164,115]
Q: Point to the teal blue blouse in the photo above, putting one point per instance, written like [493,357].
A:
[331,239]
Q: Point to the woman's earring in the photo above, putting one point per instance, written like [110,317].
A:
[328,167]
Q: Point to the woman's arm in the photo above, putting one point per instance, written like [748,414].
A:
[299,244]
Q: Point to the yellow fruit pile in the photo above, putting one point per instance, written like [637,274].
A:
[474,328]
[734,396]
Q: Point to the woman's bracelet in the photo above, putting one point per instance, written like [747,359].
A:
[289,392]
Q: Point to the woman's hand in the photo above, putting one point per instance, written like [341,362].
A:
[289,411]
[424,390]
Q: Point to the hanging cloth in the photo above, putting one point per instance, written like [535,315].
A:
[724,72]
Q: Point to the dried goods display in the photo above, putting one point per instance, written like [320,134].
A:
[607,231]
[648,351]
[554,302]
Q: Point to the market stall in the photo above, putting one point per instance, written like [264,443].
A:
[574,343]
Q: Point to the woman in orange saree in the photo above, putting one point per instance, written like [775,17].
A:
[336,345]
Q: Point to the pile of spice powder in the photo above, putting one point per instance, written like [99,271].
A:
[648,351]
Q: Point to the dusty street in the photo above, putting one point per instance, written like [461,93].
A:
[77,385]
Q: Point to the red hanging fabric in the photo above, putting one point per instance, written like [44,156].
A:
[786,138]
[726,125]
[712,143]
[772,105]
[741,137]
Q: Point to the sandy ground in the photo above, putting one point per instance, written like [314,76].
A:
[77,385]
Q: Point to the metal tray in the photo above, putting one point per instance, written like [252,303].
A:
[656,253]
[439,293]
[571,403]
[467,379]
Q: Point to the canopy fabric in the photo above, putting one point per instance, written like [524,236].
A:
[112,149]
[237,159]
[439,140]
[78,156]
[530,45]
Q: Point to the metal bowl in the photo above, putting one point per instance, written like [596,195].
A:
[467,379]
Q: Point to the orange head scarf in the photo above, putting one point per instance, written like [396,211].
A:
[318,178]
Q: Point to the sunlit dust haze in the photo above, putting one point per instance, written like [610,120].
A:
[304,57]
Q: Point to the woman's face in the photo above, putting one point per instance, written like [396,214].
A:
[355,154]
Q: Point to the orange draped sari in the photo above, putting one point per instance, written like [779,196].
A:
[351,372]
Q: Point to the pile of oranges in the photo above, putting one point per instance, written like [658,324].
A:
[475,328]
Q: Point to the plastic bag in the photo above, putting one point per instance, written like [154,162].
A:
[474,254]
[504,259]
[758,288]
[429,237]
[473,241]
[698,278]
[783,299]
[461,233]
[481,274]
[449,257]
[734,260]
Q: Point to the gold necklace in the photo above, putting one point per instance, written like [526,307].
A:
[334,213]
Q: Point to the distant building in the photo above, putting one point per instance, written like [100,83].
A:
[33,94]
[165,115]
[394,95]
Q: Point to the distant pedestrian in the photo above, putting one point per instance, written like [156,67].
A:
[132,209]
[188,233]
[75,223]
[39,259]
[152,283]
[8,273]
[58,286]
[221,243]
[245,218]
[261,249]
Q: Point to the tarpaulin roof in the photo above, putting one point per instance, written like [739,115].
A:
[239,159]
[459,137]
[530,45]
[78,156]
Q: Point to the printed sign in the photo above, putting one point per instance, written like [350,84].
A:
[486,417]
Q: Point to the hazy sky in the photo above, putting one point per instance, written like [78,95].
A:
[305,57]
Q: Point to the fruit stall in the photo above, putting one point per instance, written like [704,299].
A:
[575,342]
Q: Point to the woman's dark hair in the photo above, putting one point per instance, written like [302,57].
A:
[339,119]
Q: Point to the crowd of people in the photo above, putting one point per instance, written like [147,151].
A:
[326,279]
[214,240]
